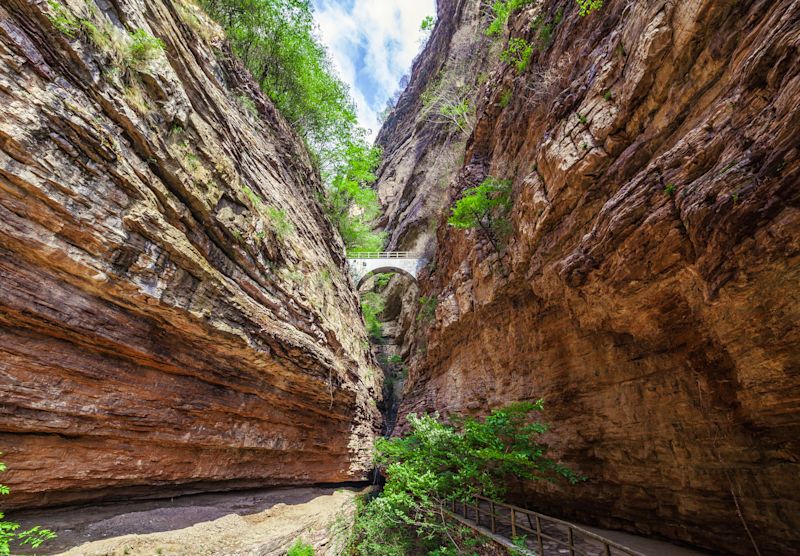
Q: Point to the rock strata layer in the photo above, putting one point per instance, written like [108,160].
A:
[175,313]
[649,288]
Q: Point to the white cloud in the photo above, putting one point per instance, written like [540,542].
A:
[372,44]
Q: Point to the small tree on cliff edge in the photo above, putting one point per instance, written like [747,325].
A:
[8,529]
[485,208]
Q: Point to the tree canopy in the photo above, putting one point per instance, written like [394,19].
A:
[277,41]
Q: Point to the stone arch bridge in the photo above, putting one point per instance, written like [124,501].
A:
[364,265]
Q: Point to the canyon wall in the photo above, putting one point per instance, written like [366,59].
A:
[649,291]
[175,313]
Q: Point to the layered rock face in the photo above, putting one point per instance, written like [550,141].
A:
[649,289]
[174,311]
[422,148]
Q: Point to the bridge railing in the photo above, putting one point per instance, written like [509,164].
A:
[548,535]
[382,255]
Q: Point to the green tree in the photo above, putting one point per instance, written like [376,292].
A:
[519,53]
[438,462]
[485,208]
[9,530]
[278,43]
[372,305]
[351,204]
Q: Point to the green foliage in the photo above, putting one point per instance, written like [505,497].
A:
[485,208]
[505,98]
[300,548]
[254,199]
[581,118]
[278,43]
[545,31]
[9,530]
[588,6]
[446,100]
[427,308]
[395,359]
[502,10]
[372,305]
[382,280]
[518,53]
[456,111]
[249,105]
[438,462]
[608,95]
[351,204]
[670,189]
[279,222]
[143,48]
[428,23]
[63,20]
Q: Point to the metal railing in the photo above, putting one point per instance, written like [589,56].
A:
[547,533]
[382,255]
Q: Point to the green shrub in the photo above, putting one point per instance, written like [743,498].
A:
[249,105]
[427,308]
[278,43]
[670,189]
[143,49]
[518,53]
[395,359]
[300,548]
[505,98]
[372,305]
[33,537]
[351,204]
[279,222]
[428,23]
[485,208]
[545,31]
[502,10]
[382,280]
[439,462]
[588,6]
[457,112]
[63,20]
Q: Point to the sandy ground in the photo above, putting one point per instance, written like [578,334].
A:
[252,523]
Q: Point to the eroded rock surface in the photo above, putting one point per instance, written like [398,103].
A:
[649,290]
[174,311]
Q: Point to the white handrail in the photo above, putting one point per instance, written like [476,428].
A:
[382,255]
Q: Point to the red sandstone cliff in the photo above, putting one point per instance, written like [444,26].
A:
[162,327]
[649,290]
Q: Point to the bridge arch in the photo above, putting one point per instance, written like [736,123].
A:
[363,265]
[383,269]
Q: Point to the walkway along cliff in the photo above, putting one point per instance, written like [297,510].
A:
[648,290]
[175,313]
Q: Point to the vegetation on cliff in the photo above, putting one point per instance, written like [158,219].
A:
[439,462]
[277,41]
[485,208]
[9,530]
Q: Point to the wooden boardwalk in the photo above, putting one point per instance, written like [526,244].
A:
[532,533]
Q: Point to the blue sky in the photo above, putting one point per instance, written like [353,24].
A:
[372,44]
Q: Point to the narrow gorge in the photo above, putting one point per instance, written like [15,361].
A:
[602,203]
